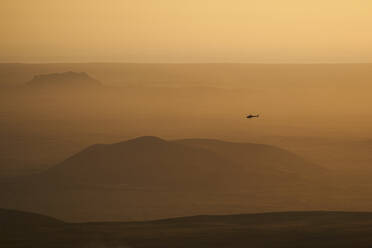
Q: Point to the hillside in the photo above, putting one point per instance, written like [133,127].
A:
[10,219]
[281,229]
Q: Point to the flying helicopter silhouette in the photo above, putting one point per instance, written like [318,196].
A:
[252,116]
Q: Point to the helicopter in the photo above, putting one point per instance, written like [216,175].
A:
[252,116]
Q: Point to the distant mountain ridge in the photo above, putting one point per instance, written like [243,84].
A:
[149,177]
[152,162]
[64,79]
[148,162]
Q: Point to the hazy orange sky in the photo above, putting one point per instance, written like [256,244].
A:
[186,31]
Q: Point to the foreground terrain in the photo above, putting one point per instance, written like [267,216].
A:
[285,229]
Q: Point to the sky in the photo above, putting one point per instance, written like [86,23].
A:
[170,31]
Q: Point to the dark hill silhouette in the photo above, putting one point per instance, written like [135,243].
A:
[26,229]
[19,219]
[264,230]
[63,80]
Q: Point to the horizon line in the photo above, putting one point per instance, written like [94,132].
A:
[186,63]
